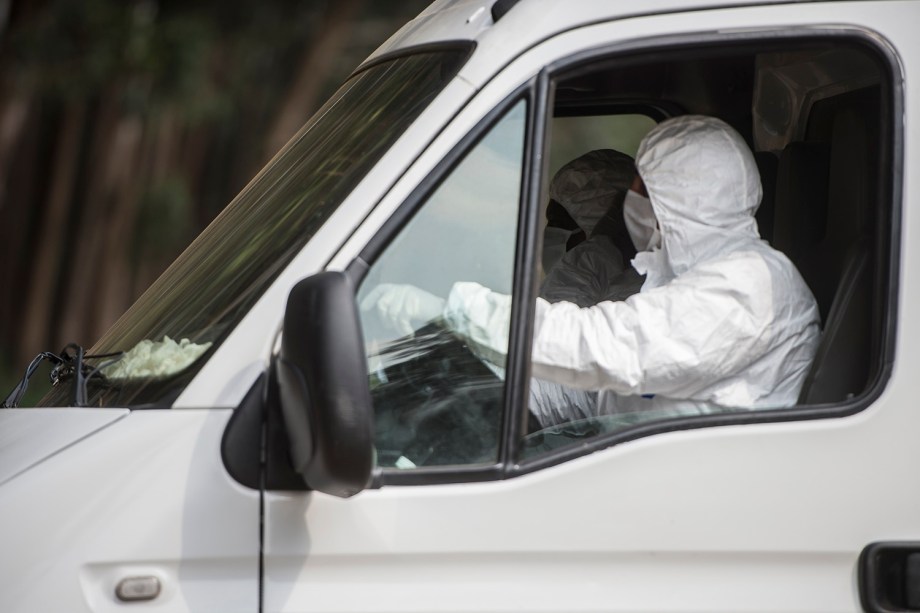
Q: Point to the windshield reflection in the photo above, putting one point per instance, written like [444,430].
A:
[212,285]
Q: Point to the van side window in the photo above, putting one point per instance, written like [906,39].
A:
[821,157]
[435,402]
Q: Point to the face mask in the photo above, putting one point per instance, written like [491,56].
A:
[641,221]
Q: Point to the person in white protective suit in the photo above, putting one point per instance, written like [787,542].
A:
[722,319]
[591,189]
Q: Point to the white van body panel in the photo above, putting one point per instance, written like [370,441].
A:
[28,436]
[527,23]
[146,496]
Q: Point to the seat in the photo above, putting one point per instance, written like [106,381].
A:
[841,365]
[801,204]
[829,239]
[767,165]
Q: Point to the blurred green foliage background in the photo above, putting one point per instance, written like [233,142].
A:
[126,126]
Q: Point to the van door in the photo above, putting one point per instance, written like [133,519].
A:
[478,505]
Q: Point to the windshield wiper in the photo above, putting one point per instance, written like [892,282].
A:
[70,363]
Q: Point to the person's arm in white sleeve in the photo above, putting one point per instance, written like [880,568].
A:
[672,340]
[404,307]
[482,317]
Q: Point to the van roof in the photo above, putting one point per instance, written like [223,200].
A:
[527,21]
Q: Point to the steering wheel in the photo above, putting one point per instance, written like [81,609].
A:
[436,403]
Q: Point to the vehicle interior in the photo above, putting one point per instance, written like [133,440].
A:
[816,114]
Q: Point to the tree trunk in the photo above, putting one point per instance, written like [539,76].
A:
[114,287]
[20,165]
[14,114]
[81,284]
[314,68]
[40,302]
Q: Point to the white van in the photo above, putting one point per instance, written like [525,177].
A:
[267,445]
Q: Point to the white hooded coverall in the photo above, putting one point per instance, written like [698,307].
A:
[723,319]
[591,188]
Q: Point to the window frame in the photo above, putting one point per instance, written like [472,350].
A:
[360,266]
[538,91]
[887,234]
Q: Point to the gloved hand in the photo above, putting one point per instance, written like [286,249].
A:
[404,307]
[481,317]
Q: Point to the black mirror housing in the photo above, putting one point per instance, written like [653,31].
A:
[322,382]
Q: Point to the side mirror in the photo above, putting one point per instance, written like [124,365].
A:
[323,386]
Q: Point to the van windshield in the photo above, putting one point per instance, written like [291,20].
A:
[167,334]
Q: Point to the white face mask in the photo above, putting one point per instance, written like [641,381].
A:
[641,221]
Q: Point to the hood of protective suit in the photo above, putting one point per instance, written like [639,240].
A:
[704,187]
[593,184]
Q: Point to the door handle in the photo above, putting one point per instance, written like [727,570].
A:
[889,577]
